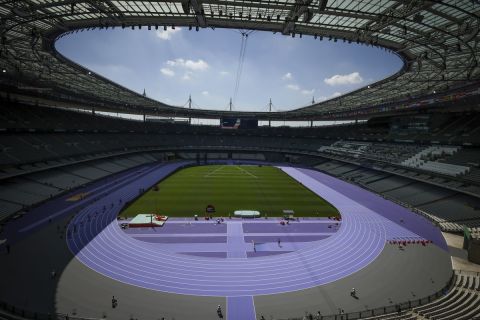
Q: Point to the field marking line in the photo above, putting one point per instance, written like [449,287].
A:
[246,171]
[213,172]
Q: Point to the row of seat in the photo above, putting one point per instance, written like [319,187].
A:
[462,302]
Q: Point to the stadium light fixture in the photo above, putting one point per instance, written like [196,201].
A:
[4,70]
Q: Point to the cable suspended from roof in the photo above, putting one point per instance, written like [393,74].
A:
[241,60]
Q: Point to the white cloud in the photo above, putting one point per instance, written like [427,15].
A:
[338,79]
[199,65]
[308,92]
[293,87]
[187,76]
[167,72]
[224,73]
[167,34]
[287,76]
[205,93]
[336,94]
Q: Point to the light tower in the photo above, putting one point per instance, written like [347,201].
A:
[270,110]
[189,107]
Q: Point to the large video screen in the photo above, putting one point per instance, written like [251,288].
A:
[238,123]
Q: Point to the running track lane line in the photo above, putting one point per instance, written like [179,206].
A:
[241,308]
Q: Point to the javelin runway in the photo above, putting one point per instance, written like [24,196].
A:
[98,242]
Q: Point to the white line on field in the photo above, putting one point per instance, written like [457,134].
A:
[213,172]
[247,172]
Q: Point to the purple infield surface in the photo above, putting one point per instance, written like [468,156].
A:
[368,221]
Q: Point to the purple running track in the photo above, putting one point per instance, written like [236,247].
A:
[104,247]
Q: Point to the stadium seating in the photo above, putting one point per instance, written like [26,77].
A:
[55,150]
[21,192]
[461,302]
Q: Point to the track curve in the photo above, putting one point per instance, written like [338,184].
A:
[98,242]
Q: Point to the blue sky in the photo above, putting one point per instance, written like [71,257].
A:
[172,64]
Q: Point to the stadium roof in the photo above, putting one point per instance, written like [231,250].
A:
[437,40]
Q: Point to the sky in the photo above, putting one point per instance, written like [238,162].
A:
[170,65]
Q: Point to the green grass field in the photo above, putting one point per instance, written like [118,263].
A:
[229,188]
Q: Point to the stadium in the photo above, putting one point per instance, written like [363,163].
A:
[116,203]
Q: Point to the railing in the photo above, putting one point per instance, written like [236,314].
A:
[399,307]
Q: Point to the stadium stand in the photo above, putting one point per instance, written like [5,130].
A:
[66,153]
